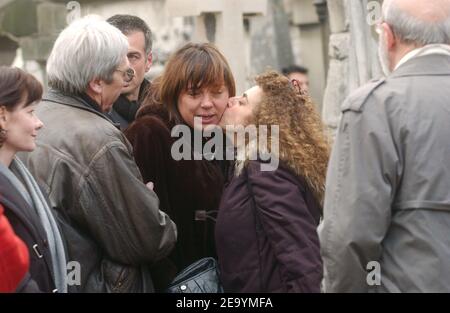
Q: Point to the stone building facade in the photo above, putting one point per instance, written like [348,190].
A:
[353,53]
[333,38]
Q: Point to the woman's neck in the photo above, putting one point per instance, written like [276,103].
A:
[6,156]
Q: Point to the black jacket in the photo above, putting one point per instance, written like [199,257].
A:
[124,111]
[28,227]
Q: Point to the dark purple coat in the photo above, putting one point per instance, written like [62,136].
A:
[276,250]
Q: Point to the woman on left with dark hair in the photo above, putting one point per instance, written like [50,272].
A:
[25,205]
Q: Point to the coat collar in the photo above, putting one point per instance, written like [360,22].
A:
[127,109]
[427,65]
[75,101]
[12,199]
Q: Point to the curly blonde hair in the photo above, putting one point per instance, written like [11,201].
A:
[303,143]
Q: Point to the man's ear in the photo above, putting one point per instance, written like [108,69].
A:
[149,62]
[389,36]
[96,86]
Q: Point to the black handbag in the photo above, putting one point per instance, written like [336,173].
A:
[201,276]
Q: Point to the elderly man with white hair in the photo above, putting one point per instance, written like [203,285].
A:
[386,221]
[110,219]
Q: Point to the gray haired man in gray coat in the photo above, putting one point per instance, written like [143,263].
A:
[386,221]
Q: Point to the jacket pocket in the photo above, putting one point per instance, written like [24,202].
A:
[121,278]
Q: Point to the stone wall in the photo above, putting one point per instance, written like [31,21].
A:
[290,32]
[168,33]
[353,55]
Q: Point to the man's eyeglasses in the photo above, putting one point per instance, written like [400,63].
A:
[128,74]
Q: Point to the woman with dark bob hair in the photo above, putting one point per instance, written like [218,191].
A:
[266,226]
[25,206]
[196,85]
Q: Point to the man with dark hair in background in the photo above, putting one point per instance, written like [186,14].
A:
[299,73]
[140,56]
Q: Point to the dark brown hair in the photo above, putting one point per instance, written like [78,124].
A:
[128,24]
[16,86]
[194,66]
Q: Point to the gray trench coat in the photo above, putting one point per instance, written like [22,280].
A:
[388,185]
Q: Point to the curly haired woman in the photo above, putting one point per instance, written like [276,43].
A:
[266,234]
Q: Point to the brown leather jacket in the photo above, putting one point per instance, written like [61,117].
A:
[110,219]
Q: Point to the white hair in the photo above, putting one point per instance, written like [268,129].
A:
[87,49]
[412,30]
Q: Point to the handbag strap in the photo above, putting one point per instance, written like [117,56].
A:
[258,226]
